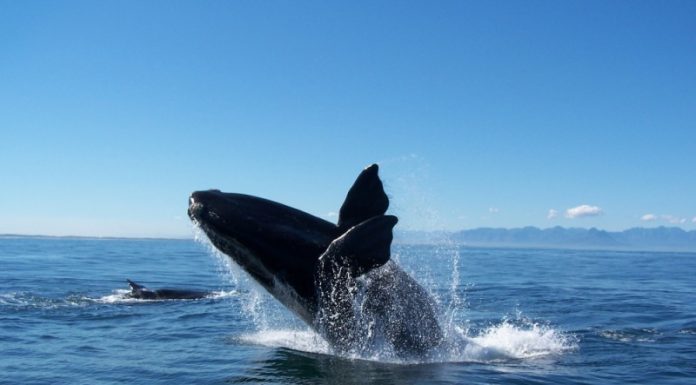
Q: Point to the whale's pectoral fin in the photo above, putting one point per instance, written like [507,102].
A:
[362,248]
[365,199]
[365,246]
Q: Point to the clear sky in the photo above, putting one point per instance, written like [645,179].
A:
[489,113]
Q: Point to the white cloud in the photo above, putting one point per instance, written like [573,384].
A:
[671,219]
[493,210]
[674,220]
[553,214]
[332,214]
[648,217]
[583,211]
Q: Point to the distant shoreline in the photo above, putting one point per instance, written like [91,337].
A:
[522,246]
[93,237]
[634,239]
[657,239]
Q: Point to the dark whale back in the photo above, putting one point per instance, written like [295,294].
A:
[141,292]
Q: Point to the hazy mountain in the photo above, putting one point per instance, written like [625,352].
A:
[659,238]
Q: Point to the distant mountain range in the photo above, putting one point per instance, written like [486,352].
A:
[659,238]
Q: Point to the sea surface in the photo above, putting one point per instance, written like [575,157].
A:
[512,316]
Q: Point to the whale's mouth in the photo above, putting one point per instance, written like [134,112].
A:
[192,202]
[203,211]
[195,209]
[202,207]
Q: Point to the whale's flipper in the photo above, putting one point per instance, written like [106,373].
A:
[362,248]
[365,246]
[365,199]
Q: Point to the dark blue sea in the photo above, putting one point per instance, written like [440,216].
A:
[513,316]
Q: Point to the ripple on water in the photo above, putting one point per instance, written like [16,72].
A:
[631,335]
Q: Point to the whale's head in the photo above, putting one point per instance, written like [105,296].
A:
[276,244]
[279,246]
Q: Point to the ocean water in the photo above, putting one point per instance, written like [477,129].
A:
[512,316]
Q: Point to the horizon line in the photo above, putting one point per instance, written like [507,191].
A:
[184,237]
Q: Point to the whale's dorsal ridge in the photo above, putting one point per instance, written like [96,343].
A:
[365,199]
[365,246]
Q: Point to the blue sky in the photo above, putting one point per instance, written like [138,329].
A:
[480,113]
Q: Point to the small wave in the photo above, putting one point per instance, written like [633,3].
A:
[12,299]
[301,340]
[632,335]
[25,300]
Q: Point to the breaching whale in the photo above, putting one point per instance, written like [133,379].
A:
[141,292]
[338,278]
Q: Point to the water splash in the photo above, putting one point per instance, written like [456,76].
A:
[505,341]
[262,311]
[118,296]
[225,267]
[516,338]
[121,296]
[509,341]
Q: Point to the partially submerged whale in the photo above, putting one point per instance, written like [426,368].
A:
[338,278]
[141,292]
